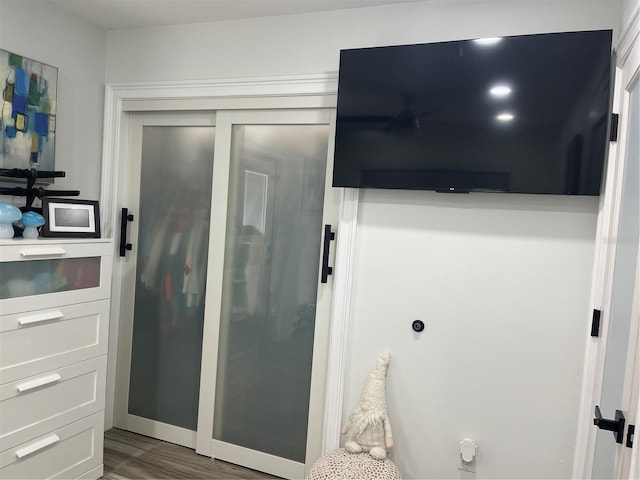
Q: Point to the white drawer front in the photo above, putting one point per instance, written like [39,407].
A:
[24,249]
[45,275]
[38,404]
[67,452]
[38,341]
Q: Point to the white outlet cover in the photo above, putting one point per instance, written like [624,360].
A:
[468,449]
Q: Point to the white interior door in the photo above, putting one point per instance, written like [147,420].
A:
[628,462]
[266,329]
[618,403]
[170,173]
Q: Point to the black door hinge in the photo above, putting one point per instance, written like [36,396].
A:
[630,432]
[613,133]
[595,323]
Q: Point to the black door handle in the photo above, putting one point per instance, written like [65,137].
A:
[616,426]
[326,269]
[125,218]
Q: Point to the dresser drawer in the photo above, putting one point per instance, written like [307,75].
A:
[37,341]
[66,452]
[37,275]
[35,405]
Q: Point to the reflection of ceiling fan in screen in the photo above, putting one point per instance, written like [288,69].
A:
[405,121]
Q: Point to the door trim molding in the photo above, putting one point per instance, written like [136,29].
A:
[303,91]
[293,85]
[629,36]
[340,317]
[602,273]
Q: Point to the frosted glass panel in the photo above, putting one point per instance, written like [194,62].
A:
[622,295]
[270,286]
[172,245]
[21,279]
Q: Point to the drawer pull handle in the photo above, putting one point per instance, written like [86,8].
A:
[40,317]
[38,382]
[43,251]
[39,445]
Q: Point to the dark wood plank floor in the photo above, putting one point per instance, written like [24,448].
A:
[128,456]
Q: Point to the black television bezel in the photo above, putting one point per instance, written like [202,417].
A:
[411,181]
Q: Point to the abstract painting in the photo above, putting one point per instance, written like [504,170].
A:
[28,115]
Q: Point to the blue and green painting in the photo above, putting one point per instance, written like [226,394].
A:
[28,120]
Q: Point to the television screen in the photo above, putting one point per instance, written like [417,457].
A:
[522,114]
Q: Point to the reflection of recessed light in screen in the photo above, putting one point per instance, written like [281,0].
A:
[505,117]
[500,91]
[488,41]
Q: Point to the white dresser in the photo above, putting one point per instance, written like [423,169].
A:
[54,316]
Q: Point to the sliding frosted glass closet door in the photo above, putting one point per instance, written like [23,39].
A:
[170,174]
[224,321]
[267,399]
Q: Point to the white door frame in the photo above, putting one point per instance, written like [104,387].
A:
[628,49]
[307,91]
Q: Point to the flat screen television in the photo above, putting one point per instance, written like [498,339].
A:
[521,114]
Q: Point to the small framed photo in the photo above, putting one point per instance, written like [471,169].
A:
[70,218]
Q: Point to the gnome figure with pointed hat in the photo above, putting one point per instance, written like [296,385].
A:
[368,426]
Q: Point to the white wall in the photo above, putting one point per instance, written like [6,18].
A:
[502,284]
[502,281]
[40,31]
[310,43]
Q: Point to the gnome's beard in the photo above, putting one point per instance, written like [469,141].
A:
[360,420]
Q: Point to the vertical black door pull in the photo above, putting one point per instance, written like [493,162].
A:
[326,269]
[125,218]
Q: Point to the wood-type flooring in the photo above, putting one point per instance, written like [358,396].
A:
[128,456]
